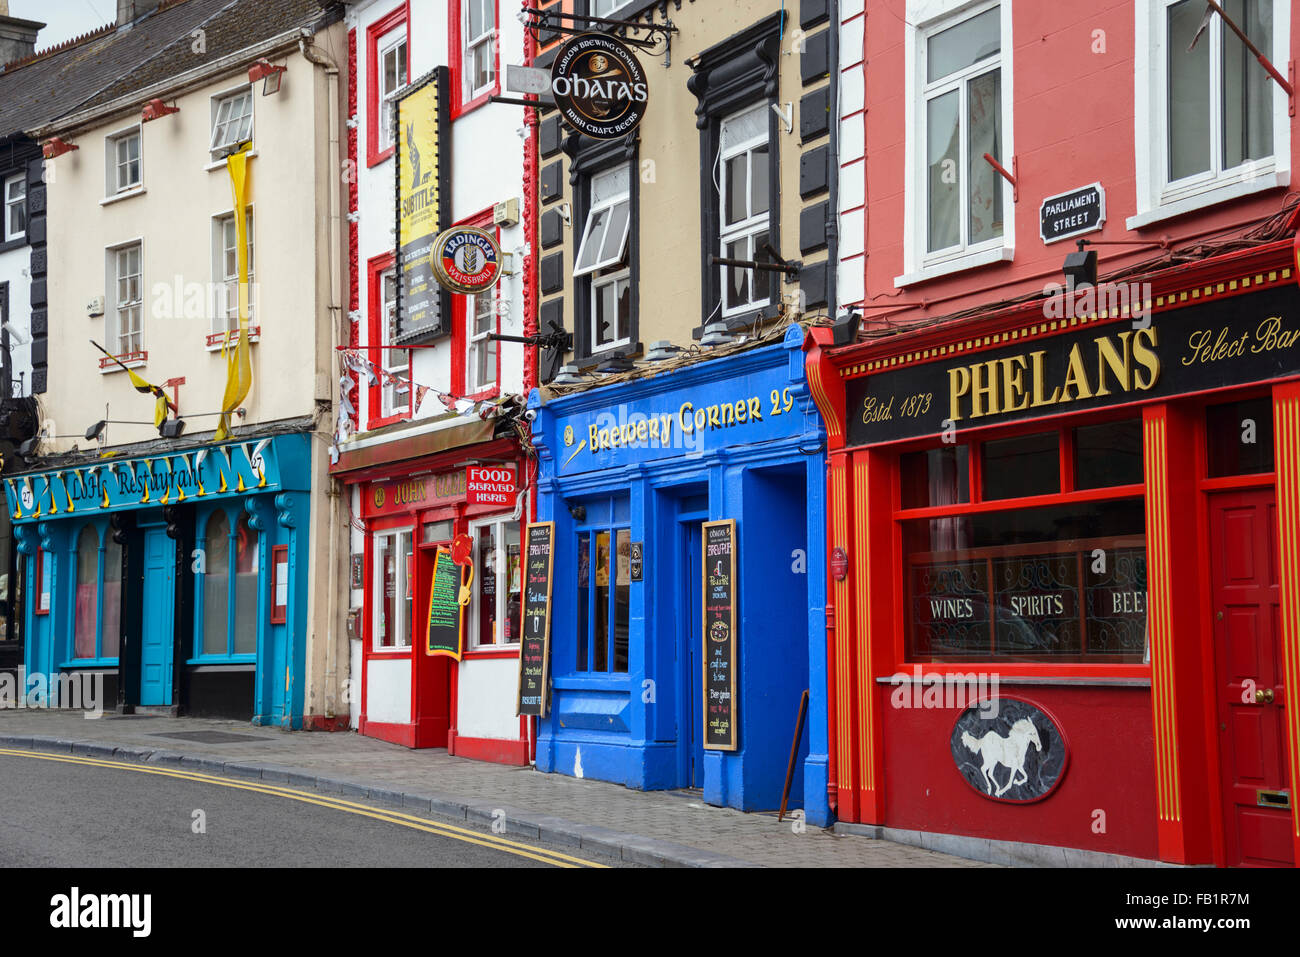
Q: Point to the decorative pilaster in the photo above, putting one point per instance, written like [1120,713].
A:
[1286,428]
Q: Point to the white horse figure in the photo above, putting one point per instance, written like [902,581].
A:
[1010,751]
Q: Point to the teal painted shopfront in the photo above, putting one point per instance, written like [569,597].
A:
[178,579]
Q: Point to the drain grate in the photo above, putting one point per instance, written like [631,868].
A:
[207,737]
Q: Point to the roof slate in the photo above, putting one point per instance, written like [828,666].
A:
[111,63]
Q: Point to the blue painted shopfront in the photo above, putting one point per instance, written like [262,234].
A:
[181,577]
[644,463]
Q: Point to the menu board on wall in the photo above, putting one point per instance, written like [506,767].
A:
[719,637]
[446,619]
[535,620]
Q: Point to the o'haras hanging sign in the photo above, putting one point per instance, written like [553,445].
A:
[466,260]
[599,86]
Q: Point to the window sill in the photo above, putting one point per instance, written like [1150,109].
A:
[472,104]
[985,257]
[13,242]
[87,663]
[241,659]
[125,194]
[1212,196]
[221,163]
[214,342]
[390,652]
[374,159]
[485,652]
[132,360]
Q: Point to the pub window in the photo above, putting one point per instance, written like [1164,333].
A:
[98,602]
[225,269]
[602,256]
[1239,438]
[1108,455]
[498,584]
[1212,124]
[604,590]
[228,584]
[1062,580]
[479,57]
[1021,467]
[393,76]
[936,477]
[394,589]
[122,160]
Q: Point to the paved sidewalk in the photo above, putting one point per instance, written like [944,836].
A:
[647,827]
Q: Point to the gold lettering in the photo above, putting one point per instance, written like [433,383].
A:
[1120,366]
[1038,377]
[728,414]
[956,391]
[701,419]
[1146,357]
[1013,384]
[642,431]
[663,432]
[980,373]
[1076,377]
[594,435]
[684,415]
[740,410]
[755,409]
[654,430]
[713,417]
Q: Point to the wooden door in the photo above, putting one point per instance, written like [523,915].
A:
[1247,639]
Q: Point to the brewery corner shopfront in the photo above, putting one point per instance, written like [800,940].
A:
[1070,612]
[687,585]
[179,576]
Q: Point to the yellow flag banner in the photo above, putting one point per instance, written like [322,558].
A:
[239,365]
[161,404]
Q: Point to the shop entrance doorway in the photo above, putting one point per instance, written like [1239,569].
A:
[1246,603]
[158,616]
[690,620]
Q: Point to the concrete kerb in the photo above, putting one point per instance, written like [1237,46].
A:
[632,848]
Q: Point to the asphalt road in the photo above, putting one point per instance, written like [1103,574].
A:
[79,813]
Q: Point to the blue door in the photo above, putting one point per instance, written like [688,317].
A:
[159,613]
[690,636]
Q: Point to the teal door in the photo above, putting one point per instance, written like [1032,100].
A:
[159,605]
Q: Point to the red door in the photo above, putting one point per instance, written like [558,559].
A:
[1247,641]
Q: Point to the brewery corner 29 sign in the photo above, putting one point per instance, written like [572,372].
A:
[422,205]
[599,86]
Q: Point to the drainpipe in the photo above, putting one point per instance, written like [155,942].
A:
[337,315]
[832,298]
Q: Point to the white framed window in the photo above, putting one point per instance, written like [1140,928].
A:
[602,254]
[959,103]
[1211,124]
[394,589]
[232,121]
[480,38]
[607,8]
[15,208]
[126,294]
[480,351]
[744,171]
[494,610]
[225,272]
[123,171]
[396,395]
[392,80]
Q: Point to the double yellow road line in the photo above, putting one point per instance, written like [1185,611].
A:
[554,858]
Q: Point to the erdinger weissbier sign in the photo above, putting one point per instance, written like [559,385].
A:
[535,627]
[423,199]
[719,686]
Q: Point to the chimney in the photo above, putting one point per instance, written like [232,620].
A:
[128,11]
[17,37]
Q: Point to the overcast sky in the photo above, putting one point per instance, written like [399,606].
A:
[65,19]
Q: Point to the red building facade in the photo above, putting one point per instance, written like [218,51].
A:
[1066,610]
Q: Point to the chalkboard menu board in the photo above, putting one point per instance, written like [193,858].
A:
[445,612]
[535,620]
[719,687]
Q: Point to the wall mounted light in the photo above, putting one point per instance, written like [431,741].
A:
[661,351]
[716,335]
[569,375]
[1081,267]
[156,109]
[55,146]
[616,364]
[845,329]
[269,73]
